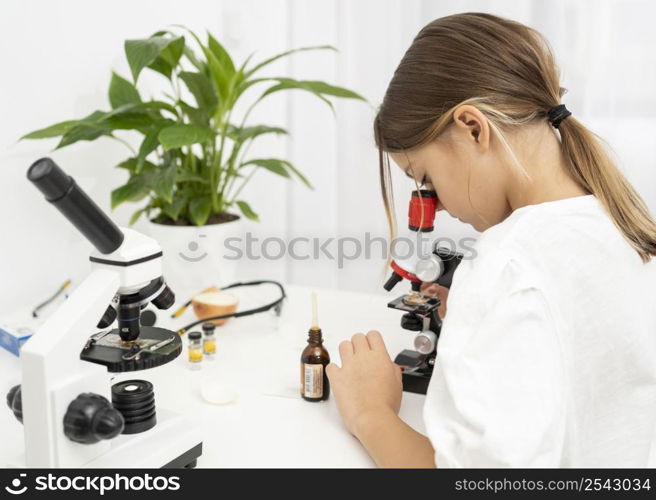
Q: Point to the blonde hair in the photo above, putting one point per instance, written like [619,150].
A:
[507,70]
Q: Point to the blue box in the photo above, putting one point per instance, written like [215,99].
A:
[11,340]
[16,328]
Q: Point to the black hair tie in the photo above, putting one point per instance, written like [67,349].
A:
[557,114]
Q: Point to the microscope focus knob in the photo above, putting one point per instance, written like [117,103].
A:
[412,322]
[15,402]
[425,342]
[90,418]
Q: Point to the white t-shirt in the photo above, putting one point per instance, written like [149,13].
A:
[547,356]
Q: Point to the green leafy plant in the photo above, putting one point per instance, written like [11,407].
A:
[192,162]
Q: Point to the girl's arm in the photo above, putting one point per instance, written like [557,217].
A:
[394,444]
[367,389]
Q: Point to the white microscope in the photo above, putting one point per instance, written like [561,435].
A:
[72,416]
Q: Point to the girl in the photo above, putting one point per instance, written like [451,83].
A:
[547,356]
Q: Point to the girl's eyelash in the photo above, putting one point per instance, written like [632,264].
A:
[423,180]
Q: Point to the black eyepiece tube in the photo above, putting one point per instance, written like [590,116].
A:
[61,190]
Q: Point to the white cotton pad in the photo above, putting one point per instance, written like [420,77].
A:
[217,394]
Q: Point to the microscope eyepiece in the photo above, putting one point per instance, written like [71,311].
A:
[51,180]
[62,191]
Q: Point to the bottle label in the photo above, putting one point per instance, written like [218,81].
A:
[312,380]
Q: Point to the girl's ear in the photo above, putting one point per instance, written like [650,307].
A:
[473,125]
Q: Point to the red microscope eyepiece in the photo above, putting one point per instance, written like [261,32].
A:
[428,200]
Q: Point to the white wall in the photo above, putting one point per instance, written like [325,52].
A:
[57,57]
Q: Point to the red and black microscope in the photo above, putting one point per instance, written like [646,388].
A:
[426,263]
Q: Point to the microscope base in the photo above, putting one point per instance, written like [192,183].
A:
[172,443]
[417,370]
[415,382]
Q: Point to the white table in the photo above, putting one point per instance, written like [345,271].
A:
[258,357]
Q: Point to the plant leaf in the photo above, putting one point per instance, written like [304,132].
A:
[168,57]
[219,64]
[179,135]
[121,92]
[219,77]
[246,84]
[199,209]
[322,88]
[82,133]
[135,216]
[271,164]
[298,174]
[130,165]
[150,142]
[173,51]
[318,88]
[193,59]
[174,208]
[280,167]
[247,210]
[128,121]
[150,106]
[201,88]
[196,116]
[289,85]
[164,182]
[185,176]
[257,67]
[134,190]
[54,130]
[221,54]
[245,133]
[141,53]
[161,66]
[148,145]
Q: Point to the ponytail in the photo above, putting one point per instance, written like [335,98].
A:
[594,169]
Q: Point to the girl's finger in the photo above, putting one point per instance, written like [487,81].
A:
[345,350]
[376,341]
[360,343]
[399,372]
[331,371]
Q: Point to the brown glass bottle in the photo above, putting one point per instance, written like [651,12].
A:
[315,358]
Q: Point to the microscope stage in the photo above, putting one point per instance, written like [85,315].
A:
[109,350]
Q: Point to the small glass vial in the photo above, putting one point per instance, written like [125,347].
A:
[314,359]
[209,340]
[195,350]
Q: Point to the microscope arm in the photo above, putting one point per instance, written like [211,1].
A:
[54,374]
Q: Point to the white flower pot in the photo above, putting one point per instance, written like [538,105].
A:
[194,257]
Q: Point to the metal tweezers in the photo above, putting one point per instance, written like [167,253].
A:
[135,354]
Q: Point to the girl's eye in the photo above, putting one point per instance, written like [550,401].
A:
[423,181]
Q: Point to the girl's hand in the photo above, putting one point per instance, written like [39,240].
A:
[435,290]
[368,385]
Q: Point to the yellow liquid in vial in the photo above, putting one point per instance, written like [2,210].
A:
[209,346]
[195,355]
